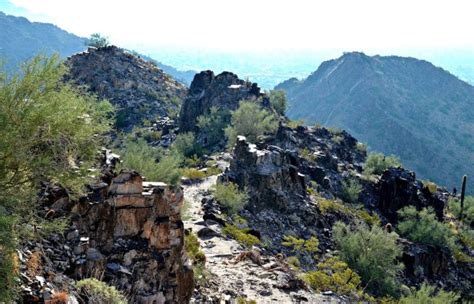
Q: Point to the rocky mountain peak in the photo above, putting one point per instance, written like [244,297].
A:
[223,91]
[138,88]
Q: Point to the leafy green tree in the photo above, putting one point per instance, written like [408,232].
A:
[251,121]
[423,227]
[454,205]
[372,253]
[427,295]
[212,125]
[377,163]
[278,101]
[49,131]
[230,197]
[97,40]
[185,144]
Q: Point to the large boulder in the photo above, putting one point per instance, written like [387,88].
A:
[223,91]
[399,188]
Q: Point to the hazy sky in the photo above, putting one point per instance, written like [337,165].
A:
[368,25]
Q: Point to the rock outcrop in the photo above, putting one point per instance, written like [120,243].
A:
[223,91]
[136,87]
[131,236]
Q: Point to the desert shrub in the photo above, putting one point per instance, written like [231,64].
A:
[361,147]
[372,253]
[7,258]
[243,300]
[293,124]
[427,295]
[432,187]
[194,174]
[294,262]
[454,205]
[335,275]
[377,163]
[423,227]
[185,144]
[278,101]
[298,245]
[251,121]
[139,156]
[230,197]
[97,40]
[241,235]
[350,191]
[212,125]
[307,154]
[327,205]
[193,249]
[99,292]
[185,212]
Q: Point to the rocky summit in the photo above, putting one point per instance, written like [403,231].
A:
[140,90]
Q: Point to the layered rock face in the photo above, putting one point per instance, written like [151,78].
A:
[137,88]
[131,236]
[223,91]
[271,174]
[138,240]
[399,188]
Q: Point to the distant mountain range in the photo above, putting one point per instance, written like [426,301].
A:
[20,40]
[397,105]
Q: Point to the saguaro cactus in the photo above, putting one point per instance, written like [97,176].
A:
[463,191]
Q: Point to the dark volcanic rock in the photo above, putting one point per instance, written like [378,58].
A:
[137,88]
[223,91]
[399,188]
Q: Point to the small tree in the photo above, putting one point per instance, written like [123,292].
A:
[372,253]
[98,41]
[350,191]
[212,125]
[278,101]
[251,121]
[428,294]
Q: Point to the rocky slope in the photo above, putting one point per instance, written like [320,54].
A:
[139,89]
[400,106]
[126,232]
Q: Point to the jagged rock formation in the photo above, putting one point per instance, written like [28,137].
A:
[131,236]
[223,91]
[277,173]
[139,89]
[397,105]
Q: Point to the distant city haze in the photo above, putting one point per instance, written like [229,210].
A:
[269,41]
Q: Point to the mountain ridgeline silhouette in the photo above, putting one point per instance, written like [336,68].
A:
[397,105]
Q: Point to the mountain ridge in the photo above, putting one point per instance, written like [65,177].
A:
[398,105]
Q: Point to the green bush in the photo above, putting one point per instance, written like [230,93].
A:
[454,205]
[193,249]
[335,275]
[241,235]
[377,163]
[427,295]
[139,156]
[185,144]
[194,174]
[350,191]
[298,245]
[423,227]
[97,40]
[212,124]
[327,205]
[230,197]
[294,262]
[432,187]
[99,292]
[278,101]
[251,121]
[50,131]
[372,253]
